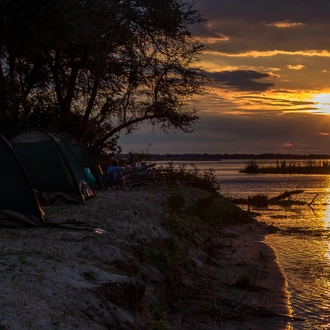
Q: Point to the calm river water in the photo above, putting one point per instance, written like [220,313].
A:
[303,245]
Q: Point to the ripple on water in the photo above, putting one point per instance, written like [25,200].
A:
[304,258]
[302,247]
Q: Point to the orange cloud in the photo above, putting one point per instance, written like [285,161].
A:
[287,144]
[307,53]
[285,24]
[296,67]
[213,40]
[322,133]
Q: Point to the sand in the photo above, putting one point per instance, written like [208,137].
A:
[137,273]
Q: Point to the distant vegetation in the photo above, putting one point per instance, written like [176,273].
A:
[321,166]
[217,157]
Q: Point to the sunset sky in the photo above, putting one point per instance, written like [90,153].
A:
[269,65]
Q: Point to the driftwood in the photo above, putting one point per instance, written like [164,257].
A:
[285,195]
[282,199]
[263,201]
[312,202]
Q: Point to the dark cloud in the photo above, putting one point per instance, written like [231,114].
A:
[243,80]
[271,39]
[244,38]
[250,25]
[306,11]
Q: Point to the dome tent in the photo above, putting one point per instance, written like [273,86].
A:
[19,205]
[82,155]
[52,167]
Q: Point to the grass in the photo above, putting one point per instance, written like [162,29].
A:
[246,281]
[185,222]
[215,210]
[157,316]
[160,325]
[89,276]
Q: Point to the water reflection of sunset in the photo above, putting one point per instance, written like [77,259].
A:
[326,202]
[304,254]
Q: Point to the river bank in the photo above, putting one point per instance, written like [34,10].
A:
[161,263]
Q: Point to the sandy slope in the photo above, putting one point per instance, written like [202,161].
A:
[139,274]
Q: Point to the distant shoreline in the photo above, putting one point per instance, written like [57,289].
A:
[220,157]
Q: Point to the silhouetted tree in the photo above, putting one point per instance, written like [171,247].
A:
[95,68]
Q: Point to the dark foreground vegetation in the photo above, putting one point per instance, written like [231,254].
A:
[170,256]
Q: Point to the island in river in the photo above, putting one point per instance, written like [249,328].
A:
[320,166]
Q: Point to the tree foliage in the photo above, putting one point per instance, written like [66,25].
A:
[95,68]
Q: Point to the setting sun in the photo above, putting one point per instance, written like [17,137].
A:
[322,103]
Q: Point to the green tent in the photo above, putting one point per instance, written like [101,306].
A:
[19,205]
[52,167]
[83,156]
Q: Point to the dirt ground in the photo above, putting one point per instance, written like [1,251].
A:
[136,273]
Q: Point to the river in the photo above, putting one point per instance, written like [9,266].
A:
[303,244]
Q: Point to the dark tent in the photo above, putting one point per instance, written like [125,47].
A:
[82,155]
[52,167]
[19,205]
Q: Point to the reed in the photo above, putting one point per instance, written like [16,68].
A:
[290,167]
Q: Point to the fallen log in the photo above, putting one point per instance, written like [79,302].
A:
[263,201]
[285,195]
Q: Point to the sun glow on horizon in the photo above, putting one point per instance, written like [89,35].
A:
[223,99]
[322,103]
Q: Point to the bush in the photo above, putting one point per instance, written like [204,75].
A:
[216,210]
[258,200]
[246,282]
[193,177]
[251,167]
[176,203]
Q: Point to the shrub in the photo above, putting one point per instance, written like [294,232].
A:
[258,200]
[176,203]
[251,167]
[216,210]
[193,177]
[247,281]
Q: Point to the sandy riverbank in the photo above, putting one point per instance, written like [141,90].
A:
[153,268]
